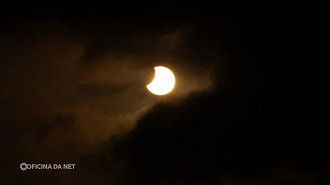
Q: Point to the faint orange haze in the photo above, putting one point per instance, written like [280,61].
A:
[64,106]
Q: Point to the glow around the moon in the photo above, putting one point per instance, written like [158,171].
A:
[163,82]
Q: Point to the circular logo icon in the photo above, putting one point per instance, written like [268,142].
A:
[23,166]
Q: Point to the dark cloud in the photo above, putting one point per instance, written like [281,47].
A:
[66,92]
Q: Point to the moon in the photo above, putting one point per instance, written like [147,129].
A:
[163,82]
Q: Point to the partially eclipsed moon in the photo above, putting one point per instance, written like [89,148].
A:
[163,82]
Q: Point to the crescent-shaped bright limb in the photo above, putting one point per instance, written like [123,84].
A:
[163,82]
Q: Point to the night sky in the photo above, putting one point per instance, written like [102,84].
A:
[72,90]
